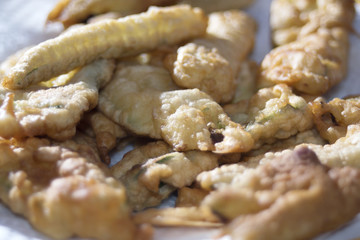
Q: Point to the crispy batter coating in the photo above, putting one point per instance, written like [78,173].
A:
[293,196]
[332,118]
[55,189]
[277,113]
[211,63]
[311,65]
[190,197]
[215,5]
[55,111]
[11,60]
[291,20]
[69,12]
[190,119]
[131,96]
[106,39]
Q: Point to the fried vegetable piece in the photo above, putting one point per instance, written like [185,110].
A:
[131,96]
[311,65]
[106,39]
[179,216]
[277,113]
[291,197]
[211,63]
[151,172]
[55,111]
[70,12]
[106,132]
[55,189]
[11,60]
[190,197]
[292,20]
[332,118]
[214,5]
[190,119]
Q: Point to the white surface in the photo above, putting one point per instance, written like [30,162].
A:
[22,24]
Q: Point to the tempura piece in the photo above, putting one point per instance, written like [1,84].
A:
[332,118]
[215,5]
[277,113]
[131,96]
[106,132]
[190,197]
[69,12]
[211,63]
[291,197]
[56,189]
[10,61]
[311,65]
[151,172]
[190,119]
[106,39]
[292,20]
[55,111]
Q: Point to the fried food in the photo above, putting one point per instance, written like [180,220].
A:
[106,39]
[190,197]
[190,119]
[332,118]
[151,172]
[291,197]
[311,65]
[179,216]
[70,12]
[106,132]
[277,113]
[214,5]
[55,111]
[131,96]
[292,20]
[211,63]
[55,189]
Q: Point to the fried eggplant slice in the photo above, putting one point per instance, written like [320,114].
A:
[179,216]
[106,39]
[215,6]
[151,172]
[54,111]
[55,189]
[70,12]
[291,197]
[211,63]
[332,118]
[311,65]
[277,113]
[190,119]
[131,96]
[292,20]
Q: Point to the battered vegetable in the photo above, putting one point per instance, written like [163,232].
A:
[106,39]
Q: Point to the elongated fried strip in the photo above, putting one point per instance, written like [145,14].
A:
[69,12]
[291,197]
[291,20]
[277,113]
[56,188]
[212,63]
[214,5]
[333,118]
[311,65]
[54,112]
[180,216]
[107,39]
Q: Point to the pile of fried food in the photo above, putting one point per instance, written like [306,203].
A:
[254,150]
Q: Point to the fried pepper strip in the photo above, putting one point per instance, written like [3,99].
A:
[106,39]
[212,63]
[291,197]
[277,113]
[333,118]
[311,65]
[56,189]
[292,20]
[54,112]
[70,12]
